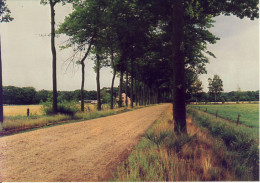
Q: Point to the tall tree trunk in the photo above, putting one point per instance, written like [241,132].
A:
[54,74]
[179,108]
[142,94]
[82,85]
[113,79]
[139,93]
[132,84]
[98,84]
[83,75]
[112,88]
[126,88]
[1,88]
[149,95]
[120,89]
[136,93]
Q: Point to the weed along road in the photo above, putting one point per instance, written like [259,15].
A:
[83,151]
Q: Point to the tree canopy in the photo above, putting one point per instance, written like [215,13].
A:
[156,44]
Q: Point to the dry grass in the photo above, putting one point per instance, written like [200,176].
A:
[21,110]
[162,156]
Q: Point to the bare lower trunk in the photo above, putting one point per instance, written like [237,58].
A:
[54,74]
[98,84]
[132,84]
[136,93]
[83,75]
[126,89]
[82,85]
[120,88]
[112,90]
[179,108]
[1,88]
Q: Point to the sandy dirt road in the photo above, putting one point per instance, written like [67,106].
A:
[83,151]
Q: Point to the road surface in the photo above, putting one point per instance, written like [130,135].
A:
[83,151]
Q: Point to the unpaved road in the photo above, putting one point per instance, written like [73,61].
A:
[83,151]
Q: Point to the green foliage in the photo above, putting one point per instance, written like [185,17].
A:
[224,97]
[68,108]
[4,12]
[28,95]
[215,86]
[16,95]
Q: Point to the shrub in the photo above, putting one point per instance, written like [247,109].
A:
[67,108]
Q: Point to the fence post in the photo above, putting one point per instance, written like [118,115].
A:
[217,114]
[28,112]
[238,118]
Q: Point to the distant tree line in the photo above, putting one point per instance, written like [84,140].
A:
[234,96]
[28,95]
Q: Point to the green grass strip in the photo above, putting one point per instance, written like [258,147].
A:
[243,147]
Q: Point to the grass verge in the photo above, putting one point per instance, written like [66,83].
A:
[198,156]
[242,146]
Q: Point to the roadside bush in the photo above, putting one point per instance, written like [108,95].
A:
[67,108]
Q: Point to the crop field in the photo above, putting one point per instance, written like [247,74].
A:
[21,110]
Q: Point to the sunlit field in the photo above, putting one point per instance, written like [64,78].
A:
[21,110]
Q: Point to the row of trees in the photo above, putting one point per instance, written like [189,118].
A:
[153,45]
[233,96]
[28,95]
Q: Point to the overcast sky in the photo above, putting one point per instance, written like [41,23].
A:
[27,59]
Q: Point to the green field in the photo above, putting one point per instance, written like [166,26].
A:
[249,113]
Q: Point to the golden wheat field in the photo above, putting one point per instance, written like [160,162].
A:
[21,110]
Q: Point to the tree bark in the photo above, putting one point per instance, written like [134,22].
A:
[132,84]
[1,88]
[98,84]
[126,88]
[112,84]
[54,74]
[82,85]
[142,94]
[120,89]
[136,93]
[83,75]
[179,108]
